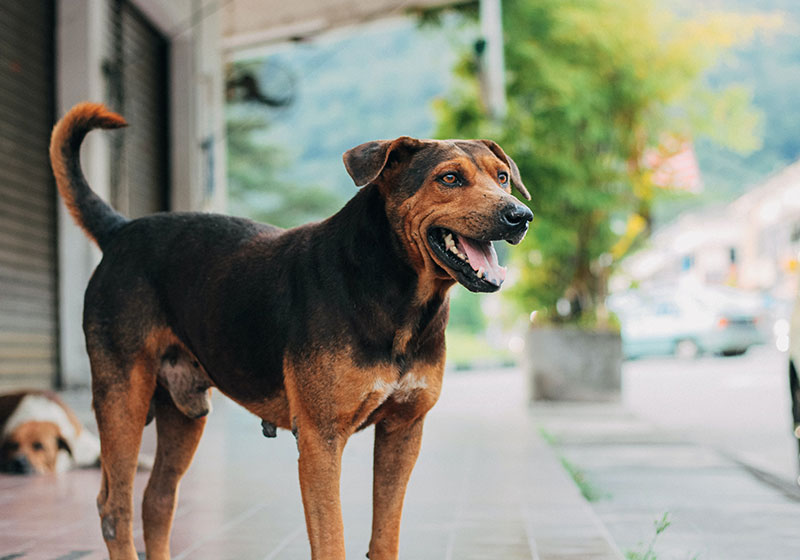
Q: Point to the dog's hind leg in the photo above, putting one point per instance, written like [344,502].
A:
[178,436]
[121,401]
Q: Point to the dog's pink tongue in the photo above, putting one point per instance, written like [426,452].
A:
[481,254]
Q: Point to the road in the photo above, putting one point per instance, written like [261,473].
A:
[740,404]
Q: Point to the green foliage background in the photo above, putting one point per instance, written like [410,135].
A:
[591,85]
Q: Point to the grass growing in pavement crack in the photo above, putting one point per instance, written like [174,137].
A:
[650,553]
[588,490]
[592,494]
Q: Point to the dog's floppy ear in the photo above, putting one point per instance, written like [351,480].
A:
[366,162]
[62,444]
[515,177]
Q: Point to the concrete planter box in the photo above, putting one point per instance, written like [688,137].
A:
[567,363]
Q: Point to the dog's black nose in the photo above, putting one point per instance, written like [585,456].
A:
[19,465]
[517,214]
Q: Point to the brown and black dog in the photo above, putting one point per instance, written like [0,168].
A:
[323,329]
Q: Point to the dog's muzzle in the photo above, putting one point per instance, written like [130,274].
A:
[472,260]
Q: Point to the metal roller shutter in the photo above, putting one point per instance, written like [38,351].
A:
[28,260]
[138,88]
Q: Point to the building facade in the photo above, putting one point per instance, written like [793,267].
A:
[752,243]
[158,63]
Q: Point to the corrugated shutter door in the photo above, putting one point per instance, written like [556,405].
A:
[140,184]
[28,280]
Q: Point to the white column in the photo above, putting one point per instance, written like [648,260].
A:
[493,64]
[197,114]
[80,37]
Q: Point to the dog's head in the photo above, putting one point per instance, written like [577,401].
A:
[33,447]
[448,200]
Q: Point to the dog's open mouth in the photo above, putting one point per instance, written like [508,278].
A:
[471,261]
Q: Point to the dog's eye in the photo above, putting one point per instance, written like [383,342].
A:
[502,177]
[37,446]
[450,179]
[11,446]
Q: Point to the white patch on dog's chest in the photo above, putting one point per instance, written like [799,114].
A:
[400,390]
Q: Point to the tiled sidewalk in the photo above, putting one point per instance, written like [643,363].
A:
[718,509]
[485,488]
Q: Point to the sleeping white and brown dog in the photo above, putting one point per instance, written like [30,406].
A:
[39,434]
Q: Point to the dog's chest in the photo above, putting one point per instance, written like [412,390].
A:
[401,390]
[398,394]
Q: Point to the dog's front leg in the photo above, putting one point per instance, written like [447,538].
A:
[320,469]
[396,451]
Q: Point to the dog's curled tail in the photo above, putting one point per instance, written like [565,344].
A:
[91,213]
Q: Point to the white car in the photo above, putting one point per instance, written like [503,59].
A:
[685,323]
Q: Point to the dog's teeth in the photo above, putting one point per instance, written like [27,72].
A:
[480,272]
[448,241]
[454,249]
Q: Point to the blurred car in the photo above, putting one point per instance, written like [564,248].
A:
[686,323]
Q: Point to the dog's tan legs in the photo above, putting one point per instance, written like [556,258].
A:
[320,469]
[121,409]
[178,437]
[396,452]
